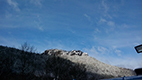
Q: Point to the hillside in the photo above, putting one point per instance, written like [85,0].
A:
[16,64]
[91,64]
[97,67]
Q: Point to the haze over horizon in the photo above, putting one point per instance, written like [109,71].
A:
[107,30]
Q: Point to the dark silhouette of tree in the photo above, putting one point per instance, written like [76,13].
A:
[28,48]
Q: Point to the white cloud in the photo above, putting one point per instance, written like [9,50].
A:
[127,62]
[14,5]
[106,8]
[93,51]
[121,40]
[36,2]
[102,20]
[41,28]
[103,50]
[122,2]
[10,42]
[98,53]
[38,23]
[8,15]
[107,22]
[118,52]
[111,23]
[113,42]
[87,16]
[97,30]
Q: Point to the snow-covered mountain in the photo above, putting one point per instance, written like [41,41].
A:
[91,64]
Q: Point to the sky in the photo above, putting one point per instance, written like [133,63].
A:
[107,30]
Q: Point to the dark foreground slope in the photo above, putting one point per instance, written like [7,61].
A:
[17,64]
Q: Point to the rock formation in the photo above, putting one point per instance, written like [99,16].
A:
[63,52]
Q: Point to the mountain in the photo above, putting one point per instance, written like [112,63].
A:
[91,64]
[23,64]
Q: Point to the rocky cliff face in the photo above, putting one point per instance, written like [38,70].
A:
[63,52]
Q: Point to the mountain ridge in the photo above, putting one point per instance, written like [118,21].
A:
[51,66]
[90,62]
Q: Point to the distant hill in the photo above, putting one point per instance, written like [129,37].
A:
[16,64]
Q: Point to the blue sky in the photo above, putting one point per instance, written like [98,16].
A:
[107,30]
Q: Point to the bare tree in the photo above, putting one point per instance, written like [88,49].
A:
[25,59]
[28,48]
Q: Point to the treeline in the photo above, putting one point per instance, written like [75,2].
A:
[25,64]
